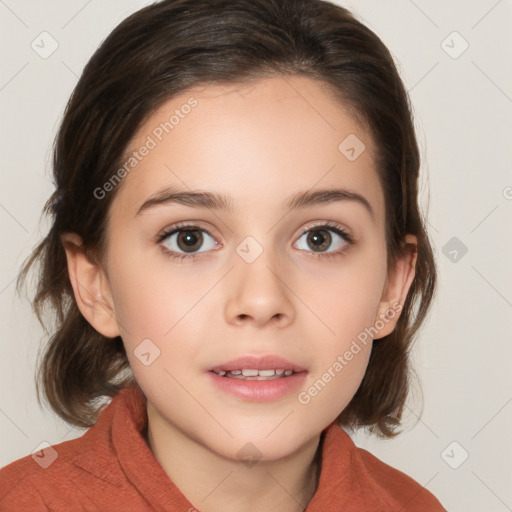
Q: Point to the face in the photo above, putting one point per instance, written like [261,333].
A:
[193,287]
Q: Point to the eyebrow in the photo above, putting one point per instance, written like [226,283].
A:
[214,201]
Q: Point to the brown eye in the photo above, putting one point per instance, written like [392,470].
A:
[319,239]
[188,240]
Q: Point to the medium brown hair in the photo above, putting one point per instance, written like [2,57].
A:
[153,55]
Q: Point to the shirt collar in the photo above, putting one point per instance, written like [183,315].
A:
[115,450]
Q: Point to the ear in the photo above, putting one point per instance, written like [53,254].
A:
[398,282]
[90,287]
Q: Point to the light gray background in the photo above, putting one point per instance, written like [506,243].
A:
[463,110]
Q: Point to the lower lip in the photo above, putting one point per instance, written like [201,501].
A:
[259,390]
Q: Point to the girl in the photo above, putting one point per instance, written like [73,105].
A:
[237,259]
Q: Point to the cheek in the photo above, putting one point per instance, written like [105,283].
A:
[347,304]
[157,333]
[346,294]
[150,302]
[328,392]
[341,355]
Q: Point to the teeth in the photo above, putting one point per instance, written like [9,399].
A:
[255,374]
[266,373]
[249,373]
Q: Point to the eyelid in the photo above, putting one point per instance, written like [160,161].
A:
[338,228]
[184,225]
[326,223]
[190,225]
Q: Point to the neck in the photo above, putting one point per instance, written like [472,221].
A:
[213,483]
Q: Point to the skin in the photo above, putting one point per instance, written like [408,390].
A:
[258,143]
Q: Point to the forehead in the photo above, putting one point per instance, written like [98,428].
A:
[252,142]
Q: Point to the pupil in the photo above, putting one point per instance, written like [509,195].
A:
[317,236]
[190,240]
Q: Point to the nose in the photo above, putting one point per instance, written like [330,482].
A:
[258,294]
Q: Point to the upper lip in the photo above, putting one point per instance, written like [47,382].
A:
[268,362]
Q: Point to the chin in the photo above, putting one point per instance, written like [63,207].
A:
[266,443]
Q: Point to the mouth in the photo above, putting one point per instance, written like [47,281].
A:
[258,379]
[254,374]
[270,367]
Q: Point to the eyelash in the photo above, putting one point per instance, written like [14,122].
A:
[191,227]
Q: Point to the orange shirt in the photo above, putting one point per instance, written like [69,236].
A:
[111,468]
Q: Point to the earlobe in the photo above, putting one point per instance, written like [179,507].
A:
[90,286]
[398,283]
